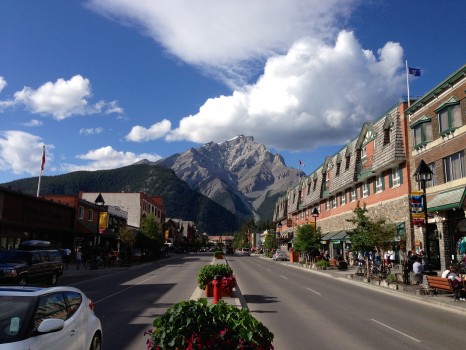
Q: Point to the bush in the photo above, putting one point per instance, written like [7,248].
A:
[195,324]
[208,272]
[391,278]
[218,254]
[323,263]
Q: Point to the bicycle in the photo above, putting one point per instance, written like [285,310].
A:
[93,263]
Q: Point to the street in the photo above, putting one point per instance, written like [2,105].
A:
[308,310]
[303,309]
[127,301]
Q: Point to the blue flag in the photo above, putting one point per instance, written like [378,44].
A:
[414,71]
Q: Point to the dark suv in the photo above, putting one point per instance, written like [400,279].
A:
[33,263]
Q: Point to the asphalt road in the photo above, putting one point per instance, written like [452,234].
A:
[128,301]
[307,310]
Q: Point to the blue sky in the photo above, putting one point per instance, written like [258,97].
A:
[105,83]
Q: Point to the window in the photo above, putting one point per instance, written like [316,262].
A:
[422,133]
[354,195]
[449,118]
[343,198]
[348,158]
[50,306]
[334,202]
[365,189]
[81,213]
[386,136]
[338,169]
[363,154]
[454,166]
[327,204]
[431,183]
[395,177]
[379,184]
[91,215]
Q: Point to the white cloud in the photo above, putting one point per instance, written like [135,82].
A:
[156,131]
[33,123]
[2,83]
[217,34]
[61,99]
[316,94]
[108,158]
[90,131]
[21,153]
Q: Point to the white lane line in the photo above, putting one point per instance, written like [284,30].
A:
[397,331]
[313,291]
[284,277]
[123,290]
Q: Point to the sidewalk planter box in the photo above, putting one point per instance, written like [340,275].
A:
[294,257]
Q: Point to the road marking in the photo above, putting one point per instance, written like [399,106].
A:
[123,290]
[313,291]
[284,277]
[396,330]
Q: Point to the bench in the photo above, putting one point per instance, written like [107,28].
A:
[333,264]
[340,265]
[436,284]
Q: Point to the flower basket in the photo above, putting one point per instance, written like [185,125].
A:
[208,272]
[227,285]
[195,324]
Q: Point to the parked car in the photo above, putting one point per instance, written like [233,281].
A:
[33,263]
[229,250]
[245,252]
[48,318]
[280,255]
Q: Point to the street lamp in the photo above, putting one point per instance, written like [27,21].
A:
[278,233]
[315,215]
[422,175]
[99,201]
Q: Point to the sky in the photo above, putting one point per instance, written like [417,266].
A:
[106,83]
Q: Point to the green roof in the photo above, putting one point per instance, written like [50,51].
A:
[451,199]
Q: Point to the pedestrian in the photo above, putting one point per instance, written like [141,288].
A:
[66,257]
[392,256]
[78,258]
[417,271]
[351,258]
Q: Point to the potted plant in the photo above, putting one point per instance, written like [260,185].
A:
[195,324]
[207,273]
[218,254]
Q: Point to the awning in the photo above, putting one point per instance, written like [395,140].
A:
[328,235]
[451,199]
[340,236]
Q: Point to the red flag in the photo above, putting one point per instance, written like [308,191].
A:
[43,159]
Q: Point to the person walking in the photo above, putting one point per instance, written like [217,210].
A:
[79,259]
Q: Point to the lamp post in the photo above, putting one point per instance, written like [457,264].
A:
[315,215]
[99,201]
[422,175]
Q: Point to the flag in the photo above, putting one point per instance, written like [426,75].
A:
[43,159]
[301,163]
[414,71]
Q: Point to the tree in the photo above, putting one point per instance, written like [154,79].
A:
[151,234]
[270,243]
[370,234]
[307,241]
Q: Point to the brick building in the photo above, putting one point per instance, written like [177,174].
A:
[437,135]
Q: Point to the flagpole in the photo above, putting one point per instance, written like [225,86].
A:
[407,83]
[41,169]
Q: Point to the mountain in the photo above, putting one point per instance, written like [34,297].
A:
[219,186]
[240,174]
[179,199]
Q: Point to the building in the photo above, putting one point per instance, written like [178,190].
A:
[437,135]
[95,225]
[370,170]
[136,204]
[25,217]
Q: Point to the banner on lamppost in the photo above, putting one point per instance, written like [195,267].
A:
[102,221]
[416,202]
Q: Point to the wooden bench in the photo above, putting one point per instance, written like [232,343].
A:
[333,264]
[436,284]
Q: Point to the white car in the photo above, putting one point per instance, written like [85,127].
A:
[245,252]
[59,318]
[280,255]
